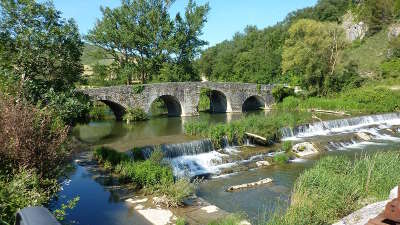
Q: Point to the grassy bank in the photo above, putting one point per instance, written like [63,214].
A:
[365,100]
[265,126]
[153,176]
[337,186]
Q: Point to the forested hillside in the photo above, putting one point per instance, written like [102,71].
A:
[311,48]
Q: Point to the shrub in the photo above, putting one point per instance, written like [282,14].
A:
[287,146]
[281,158]
[281,92]
[204,100]
[337,186]
[31,138]
[145,173]
[137,89]
[20,190]
[233,219]
[98,112]
[138,154]
[109,157]
[175,193]
[135,114]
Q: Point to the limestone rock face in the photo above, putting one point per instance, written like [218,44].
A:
[354,30]
[394,31]
[305,149]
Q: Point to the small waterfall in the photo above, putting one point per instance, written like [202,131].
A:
[341,126]
[176,150]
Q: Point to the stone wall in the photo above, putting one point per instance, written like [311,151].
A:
[182,98]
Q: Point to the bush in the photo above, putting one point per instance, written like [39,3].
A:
[31,138]
[72,107]
[145,173]
[204,100]
[281,92]
[22,189]
[281,158]
[109,156]
[287,146]
[138,154]
[135,114]
[98,112]
[175,193]
[337,186]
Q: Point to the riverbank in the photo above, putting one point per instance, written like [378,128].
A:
[337,186]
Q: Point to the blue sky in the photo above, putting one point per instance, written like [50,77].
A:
[225,18]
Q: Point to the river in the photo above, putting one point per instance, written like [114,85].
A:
[229,166]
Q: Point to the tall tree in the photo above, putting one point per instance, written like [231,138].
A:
[311,51]
[42,49]
[143,38]
[186,44]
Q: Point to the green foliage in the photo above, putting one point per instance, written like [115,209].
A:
[137,89]
[22,189]
[378,13]
[287,146]
[72,107]
[233,219]
[98,111]
[145,173]
[175,193]
[62,212]
[391,69]
[281,158]
[137,154]
[281,92]
[204,101]
[42,49]
[366,100]
[109,156]
[268,127]
[312,51]
[337,186]
[135,114]
[142,47]
[180,221]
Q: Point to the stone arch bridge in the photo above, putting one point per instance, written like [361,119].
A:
[182,98]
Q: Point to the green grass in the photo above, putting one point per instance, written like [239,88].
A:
[109,157]
[265,126]
[94,55]
[369,54]
[233,219]
[365,100]
[337,186]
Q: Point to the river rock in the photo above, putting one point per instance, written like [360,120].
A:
[305,149]
[262,163]
[364,136]
[249,185]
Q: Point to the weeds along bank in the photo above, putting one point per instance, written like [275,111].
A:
[337,186]
[365,100]
[152,176]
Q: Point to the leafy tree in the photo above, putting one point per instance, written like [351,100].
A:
[143,39]
[40,56]
[311,51]
[40,47]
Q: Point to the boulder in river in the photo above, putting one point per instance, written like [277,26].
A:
[249,185]
[262,163]
[364,136]
[305,149]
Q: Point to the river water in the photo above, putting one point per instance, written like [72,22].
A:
[223,167]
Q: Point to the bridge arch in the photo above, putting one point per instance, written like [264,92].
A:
[252,103]
[116,108]
[172,104]
[218,102]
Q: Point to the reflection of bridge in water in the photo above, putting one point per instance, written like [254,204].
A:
[182,98]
